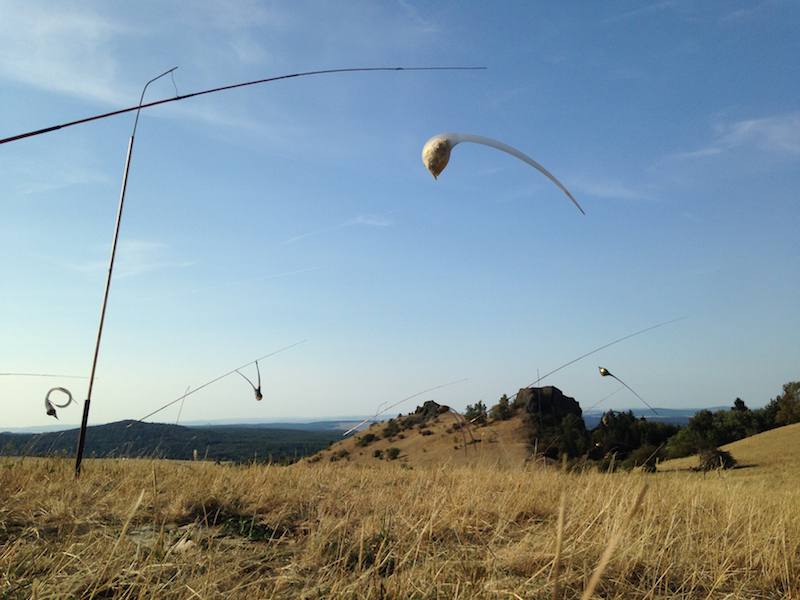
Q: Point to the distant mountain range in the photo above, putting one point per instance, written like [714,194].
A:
[226,441]
[132,440]
[332,424]
[591,417]
[676,416]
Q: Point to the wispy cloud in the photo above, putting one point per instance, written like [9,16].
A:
[606,188]
[774,135]
[61,172]
[695,11]
[59,48]
[228,284]
[364,220]
[644,10]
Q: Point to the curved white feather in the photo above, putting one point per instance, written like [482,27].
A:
[69,401]
[50,407]
[436,154]
[479,139]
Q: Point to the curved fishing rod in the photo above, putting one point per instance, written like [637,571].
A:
[188,393]
[138,109]
[227,87]
[87,402]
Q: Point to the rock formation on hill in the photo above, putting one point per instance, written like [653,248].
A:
[547,405]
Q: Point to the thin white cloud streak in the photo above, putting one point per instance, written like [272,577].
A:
[228,284]
[368,220]
[49,171]
[695,11]
[59,48]
[134,257]
[612,189]
[775,135]
[645,10]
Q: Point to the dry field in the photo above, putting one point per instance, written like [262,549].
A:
[158,529]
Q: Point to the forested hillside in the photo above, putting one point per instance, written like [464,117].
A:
[173,442]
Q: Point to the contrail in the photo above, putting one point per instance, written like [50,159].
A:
[224,285]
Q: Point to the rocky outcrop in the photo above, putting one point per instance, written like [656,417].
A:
[547,405]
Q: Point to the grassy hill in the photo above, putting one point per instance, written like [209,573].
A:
[436,441]
[439,441]
[376,530]
[771,456]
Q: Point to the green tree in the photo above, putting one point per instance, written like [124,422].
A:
[501,412]
[478,411]
[739,405]
[573,437]
[789,404]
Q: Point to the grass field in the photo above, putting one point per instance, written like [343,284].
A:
[161,529]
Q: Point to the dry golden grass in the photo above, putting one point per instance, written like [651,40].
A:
[770,459]
[501,443]
[158,529]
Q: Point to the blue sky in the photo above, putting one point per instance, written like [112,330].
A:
[300,210]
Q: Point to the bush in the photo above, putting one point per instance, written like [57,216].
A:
[339,455]
[392,453]
[714,458]
[366,440]
[391,429]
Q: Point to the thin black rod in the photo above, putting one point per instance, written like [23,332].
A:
[228,87]
[87,403]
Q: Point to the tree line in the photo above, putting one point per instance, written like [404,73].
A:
[623,440]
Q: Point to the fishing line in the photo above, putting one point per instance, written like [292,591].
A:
[604,347]
[180,410]
[41,375]
[213,381]
[606,373]
[605,398]
[539,379]
[229,87]
[352,429]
